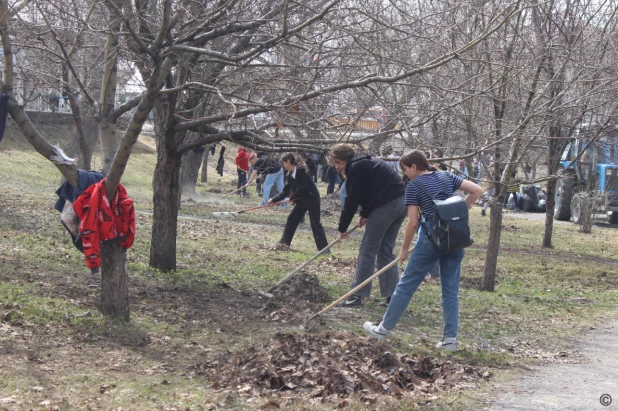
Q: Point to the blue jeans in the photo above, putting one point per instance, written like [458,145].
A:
[423,257]
[269,181]
[342,194]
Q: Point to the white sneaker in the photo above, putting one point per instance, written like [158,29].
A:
[376,329]
[447,344]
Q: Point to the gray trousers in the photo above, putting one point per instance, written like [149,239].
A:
[379,239]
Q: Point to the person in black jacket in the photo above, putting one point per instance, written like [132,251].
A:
[333,179]
[378,190]
[302,191]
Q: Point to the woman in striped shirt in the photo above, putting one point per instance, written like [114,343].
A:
[424,255]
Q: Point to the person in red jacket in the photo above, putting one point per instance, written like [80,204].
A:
[242,167]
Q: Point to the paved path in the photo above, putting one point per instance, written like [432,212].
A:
[576,387]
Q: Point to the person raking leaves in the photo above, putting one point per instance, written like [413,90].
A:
[274,175]
[425,185]
[302,191]
[378,190]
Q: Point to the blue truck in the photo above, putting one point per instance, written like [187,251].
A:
[588,167]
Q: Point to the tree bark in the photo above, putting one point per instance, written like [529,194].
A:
[109,143]
[166,189]
[493,244]
[166,184]
[550,203]
[84,148]
[191,162]
[555,149]
[114,281]
[204,178]
[107,127]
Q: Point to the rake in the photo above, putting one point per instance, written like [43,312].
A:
[268,292]
[307,325]
[235,191]
[237,213]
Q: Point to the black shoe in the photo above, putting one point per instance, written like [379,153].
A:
[353,301]
[385,303]
[483,213]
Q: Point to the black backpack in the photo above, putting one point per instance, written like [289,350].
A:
[450,222]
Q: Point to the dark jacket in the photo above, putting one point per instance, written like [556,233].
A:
[267,165]
[301,190]
[370,183]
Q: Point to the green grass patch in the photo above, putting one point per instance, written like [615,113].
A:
[48,300]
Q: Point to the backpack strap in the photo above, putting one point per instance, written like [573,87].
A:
[422,222]
[445,178]
[424,189]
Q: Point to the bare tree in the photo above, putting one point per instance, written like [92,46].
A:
[249,72]
[114,287]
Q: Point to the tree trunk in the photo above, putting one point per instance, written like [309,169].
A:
[109,143]
[549,214]
[191,162]
[493,244]
[204,178]
[555,149]
[166,191]
[84,148]
[114,281]
[107,128]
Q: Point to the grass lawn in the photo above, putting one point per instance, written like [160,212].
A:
[58,353]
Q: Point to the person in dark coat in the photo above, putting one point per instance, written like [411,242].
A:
[312,167]
[302,191]
[378,190]
[333,179]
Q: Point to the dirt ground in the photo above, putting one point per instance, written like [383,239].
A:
[278,371]
[585,385]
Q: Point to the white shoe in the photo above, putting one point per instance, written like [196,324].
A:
[376,330]
[447,344]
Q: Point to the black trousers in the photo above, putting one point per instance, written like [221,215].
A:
[316,226]
[332,180]
[313,173]
[242,180]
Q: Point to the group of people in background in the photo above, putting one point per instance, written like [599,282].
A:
[375,189]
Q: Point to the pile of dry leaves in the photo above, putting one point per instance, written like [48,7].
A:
[295,300]
[305,287]
[333,367]
[338,263]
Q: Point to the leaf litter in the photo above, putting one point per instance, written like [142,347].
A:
[295,299]
[333,367]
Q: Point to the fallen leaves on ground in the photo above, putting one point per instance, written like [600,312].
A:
[295,299]
[334,367]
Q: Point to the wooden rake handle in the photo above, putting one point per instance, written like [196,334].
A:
[258,207]
[232,192]
[355,289]
[322,251]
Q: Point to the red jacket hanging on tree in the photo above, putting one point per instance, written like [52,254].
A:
[101,221]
